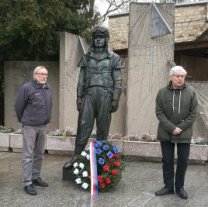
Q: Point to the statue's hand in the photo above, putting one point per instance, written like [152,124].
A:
[79,102]
[114,106]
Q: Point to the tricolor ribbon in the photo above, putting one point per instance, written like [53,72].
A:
[93,169]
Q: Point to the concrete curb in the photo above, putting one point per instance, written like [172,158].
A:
[65,145]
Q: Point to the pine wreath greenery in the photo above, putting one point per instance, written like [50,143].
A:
[110,164]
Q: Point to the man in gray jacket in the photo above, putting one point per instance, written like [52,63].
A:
[176,110]
[33,108]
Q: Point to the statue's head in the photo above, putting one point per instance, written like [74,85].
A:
[102,33]
[100,30]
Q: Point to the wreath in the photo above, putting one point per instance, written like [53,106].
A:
[110,164]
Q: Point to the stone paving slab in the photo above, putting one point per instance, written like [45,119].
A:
[136,189]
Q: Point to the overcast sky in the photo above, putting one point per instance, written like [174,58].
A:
[101,5]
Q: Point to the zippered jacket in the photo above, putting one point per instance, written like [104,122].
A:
[176,108]
[33,104]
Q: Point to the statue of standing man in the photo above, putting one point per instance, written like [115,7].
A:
[98,90]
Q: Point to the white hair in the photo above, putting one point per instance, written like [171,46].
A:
[177,69]
[39,68]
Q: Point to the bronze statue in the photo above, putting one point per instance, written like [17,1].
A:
[98,90]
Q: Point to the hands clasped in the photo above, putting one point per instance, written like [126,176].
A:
[176,131]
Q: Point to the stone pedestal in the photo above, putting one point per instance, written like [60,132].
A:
[4,142]
[68,174]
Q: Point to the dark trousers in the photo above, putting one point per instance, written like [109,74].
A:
[96,105]
[183,150]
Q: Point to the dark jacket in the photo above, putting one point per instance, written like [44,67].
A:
[33,104]
[103,70]
[176,108]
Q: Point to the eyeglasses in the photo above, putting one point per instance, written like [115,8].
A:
[46,74]
[179,76]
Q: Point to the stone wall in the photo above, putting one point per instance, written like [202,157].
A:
[200,128]
[119,31]
[190,23]
[16,73]
[70,55]
[147,69]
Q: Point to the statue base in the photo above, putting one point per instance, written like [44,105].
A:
[68,174]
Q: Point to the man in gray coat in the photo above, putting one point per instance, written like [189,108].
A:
[33,108]
[176,110]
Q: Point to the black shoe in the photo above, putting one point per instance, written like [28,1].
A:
[30,189]
[164,191]
[182,193]
[39,182]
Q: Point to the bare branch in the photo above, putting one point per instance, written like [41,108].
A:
[118,6]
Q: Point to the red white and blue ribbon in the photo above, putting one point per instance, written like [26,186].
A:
[93,169]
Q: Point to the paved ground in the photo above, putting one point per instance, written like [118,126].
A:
[136,189]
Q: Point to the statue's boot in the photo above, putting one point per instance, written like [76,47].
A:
[77,152]
[69,165]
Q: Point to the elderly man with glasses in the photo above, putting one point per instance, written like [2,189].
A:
[33,109]
[176,110]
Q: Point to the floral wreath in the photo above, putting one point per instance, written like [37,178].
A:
[110,164]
